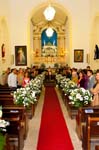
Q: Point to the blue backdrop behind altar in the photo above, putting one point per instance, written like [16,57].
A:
[48,40]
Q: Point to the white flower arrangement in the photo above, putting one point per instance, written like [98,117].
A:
[62,81]
[27,96]
[80,97]
[24,96]
[69,86]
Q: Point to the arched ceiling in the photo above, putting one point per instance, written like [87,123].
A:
[60,18]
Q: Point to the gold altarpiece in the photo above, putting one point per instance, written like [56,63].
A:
[50,54]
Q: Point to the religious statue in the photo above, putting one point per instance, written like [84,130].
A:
[3,50]
[96,52]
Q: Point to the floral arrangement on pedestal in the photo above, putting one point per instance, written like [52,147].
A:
[68,87]
[80,97]
[28,95]
[61,80]
[24,96]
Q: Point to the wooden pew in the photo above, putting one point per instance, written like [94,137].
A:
[90,131]
[97,147]
[81,118]
[72,110]
[15,130]
[4,88]
[15,110]
[7,100]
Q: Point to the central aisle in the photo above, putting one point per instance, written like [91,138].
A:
[53,134]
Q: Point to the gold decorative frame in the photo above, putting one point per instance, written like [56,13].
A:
[78,55]
[20,55]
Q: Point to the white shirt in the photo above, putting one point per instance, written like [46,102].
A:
[12,80]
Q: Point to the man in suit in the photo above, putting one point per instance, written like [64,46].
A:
[91,79]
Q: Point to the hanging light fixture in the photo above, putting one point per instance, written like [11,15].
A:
[49,32]
[49,13]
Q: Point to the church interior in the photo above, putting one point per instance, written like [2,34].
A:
[46,38]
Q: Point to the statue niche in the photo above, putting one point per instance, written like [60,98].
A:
[49,44]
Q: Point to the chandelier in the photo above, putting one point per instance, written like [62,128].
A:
[49,13]
[49,32]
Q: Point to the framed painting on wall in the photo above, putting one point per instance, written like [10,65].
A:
[78,55]
[20,55]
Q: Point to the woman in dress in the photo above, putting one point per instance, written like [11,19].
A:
[26,79]
[95,91]
[82,79]
[74,76]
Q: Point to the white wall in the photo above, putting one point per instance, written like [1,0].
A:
[78,11]
[4,35]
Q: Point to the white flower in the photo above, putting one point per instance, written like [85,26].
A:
[78,96]
[3,123]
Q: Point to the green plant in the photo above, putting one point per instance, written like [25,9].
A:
[3,125]
[56,65]
[43,66]
[2,141]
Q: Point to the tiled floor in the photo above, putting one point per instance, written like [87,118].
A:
[34,124]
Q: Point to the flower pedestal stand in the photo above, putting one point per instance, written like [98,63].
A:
[72,111]
[30,111]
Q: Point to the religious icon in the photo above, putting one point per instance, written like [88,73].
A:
[78,55]
[20,55]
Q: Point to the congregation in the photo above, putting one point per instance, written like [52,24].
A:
[85,78]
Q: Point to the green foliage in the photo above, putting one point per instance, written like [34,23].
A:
[2,141]
[43,66]
[56,65]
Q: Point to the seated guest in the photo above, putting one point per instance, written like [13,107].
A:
[88,68]
[5,76]
[81,79]
[33,73]
[20,77]
[86,78]
[68,73]
[49,72]
[91,79]
[74,76]
[95,91]
[26,79]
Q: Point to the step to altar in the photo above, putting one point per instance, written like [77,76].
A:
[50,83]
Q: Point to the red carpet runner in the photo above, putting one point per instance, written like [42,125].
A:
[53,134]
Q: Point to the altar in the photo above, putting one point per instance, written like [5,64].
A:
[49,50]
